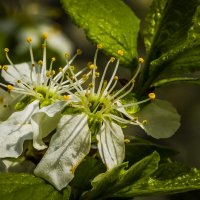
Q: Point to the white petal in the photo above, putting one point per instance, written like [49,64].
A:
[23,72]
[111,144]
[68,147]
[7,103]
[15,130]
[45,121]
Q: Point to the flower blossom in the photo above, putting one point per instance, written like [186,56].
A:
[32,106]
[96,120]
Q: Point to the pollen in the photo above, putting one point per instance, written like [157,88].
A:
[78,52]
[127,141]
[67,55]
[116,78]
[66,97]
[48,75]
[99,46]
[45,36]
[120,52]
[60,69]
[112,59]
[141,60]
[152,95]
[85,77]
[53,59]
[91,85]
[10,87]
[29,39]
[135,119]
[97,74]
[40,62]
[91,66]
[5,67]
[6,50]
[144,122]
[52,72]
[72,68]
[19,81]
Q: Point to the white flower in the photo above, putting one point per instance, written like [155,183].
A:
[41,95]
[97,118]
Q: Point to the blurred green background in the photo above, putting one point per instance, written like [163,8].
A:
[22,18]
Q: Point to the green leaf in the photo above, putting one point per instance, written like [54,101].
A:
[152,22]
[176,80]
[109,23]
[83,176]
[172,39]
[139,148]
[26,186]
[170,178]
[162,119]
[106,184]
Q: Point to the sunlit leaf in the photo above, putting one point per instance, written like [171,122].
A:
[109,23]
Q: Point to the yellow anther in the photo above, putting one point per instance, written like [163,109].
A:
[60,69]
[141,60]
[66,97]
[53,72]
[45,36]
[5,67]
[72,68]
[48,75]
[90,85]
[0,66]
[72,78]
[29,39]
[112,59]
[135,119]
[116,78]
[99,46]
[127,141]
[91,66]
[67,55]
[120,52]
[19,81]
[10,87]
[53,59]
[144,122]
[6,50]
[78,52]
[152,95]
[84,77]
[97,74]
[40,62]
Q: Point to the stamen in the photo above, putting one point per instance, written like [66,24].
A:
[112,77]
[10,87]
[131,81]
[103,76]
[66,97]
[141,60]
[152,96]
[127,141]
[6,50]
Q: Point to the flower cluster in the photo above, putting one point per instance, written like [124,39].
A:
[85,116]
